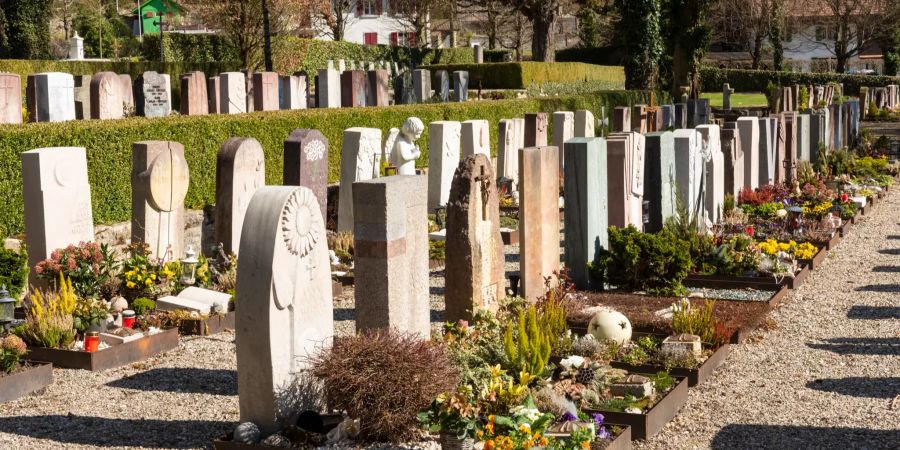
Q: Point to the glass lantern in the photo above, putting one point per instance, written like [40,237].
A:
[189,267]
[7,306]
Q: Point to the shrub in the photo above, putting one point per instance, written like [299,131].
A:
[142,305]
[89,267]
[108,143]
[520,75]
[699,321]
[528,348]
[656,263]
[712,79]
[48,321]
[14,270]
[384,379]
[12,349]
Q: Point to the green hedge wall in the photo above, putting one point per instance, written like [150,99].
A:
[108,143]
[195,48]
[605,56]
[712,79]
[520,75]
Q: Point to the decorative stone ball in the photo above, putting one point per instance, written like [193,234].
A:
[246,433]
[611,325]
[119,304]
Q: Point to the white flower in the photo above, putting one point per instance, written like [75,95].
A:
[531,414]
[781,213]
[572,362]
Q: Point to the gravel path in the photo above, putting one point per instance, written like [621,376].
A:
[827,375]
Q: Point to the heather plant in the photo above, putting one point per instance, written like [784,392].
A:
[527,342]
[699,321]
[89,266]
[49,320]
[384,378]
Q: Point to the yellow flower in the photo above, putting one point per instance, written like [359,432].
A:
[130,284]
[525,428]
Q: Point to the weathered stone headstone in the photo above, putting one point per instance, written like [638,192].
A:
[789,120]
[106,96]
[479,54]
[689,171]
[445,148]
[377,88]
[563,130]
[538,218]
[668,116]
[748,128]
[836,124]
[10,98]
[195,93]
[659,173]
[443,78]
[733,157]
[726,96]
[57,201]
[232,93]
[422,85]
[536,130]
[475,264]
[159,183]
[780,147]
[328,89]
[353,89]
[803,148]
[391,255]
[621,119]
[285,282]
[82,92]
[306,163]
[265,91]
[584,123]
[127,87]
[214,95]
[586,207]
[240,172]
[639,119]
[289,93]
[766,154]
[461,85]
[625,171]
[360,161]
[475,138]
[508,151]
[715,168]
[155,99]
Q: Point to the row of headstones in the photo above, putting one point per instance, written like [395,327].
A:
[887,97]
[645,119]
[789,96]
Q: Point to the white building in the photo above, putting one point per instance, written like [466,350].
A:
[373,22]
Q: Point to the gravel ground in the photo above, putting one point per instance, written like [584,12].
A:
[827,375]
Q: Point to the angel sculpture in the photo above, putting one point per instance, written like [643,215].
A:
[401,148]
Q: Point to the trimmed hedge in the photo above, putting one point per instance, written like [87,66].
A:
[520,75]
[108,143]
[604,56]
[195,48]
[712,79]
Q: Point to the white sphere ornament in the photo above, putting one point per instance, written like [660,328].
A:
[610,325]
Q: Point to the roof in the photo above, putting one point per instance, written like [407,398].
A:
[169,4]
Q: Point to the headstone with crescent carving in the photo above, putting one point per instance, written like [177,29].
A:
[159,183]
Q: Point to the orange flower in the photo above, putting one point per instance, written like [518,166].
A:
[489,445]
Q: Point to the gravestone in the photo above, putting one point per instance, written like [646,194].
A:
[586,207]
[668,116]
[584,123]
[54,98]
[82,93]
[214,96]
[159,183]
[536,130]
[155,99]
[563,130]
[265,91]
[789,119]
[751,144]
[639,119]
[195,93]
[803,148]
[625,157]
[766,153]
[538,219]
[689,171]
[479,54]
[360,161]
[287,314]
[621,119]
[461,85]
[715,168]
[127,87]
[659,173]
[290,95]
[474,262]
[733,157]
[403,89]
[422,85]
[681,116]
[57,200]
[248,86]
[106,96]
[443,78]
[240,172]
[780,148]
[508,151]
[328,89]
[475,138]
[10,98]
[391,255]
[377,88]
[726,96]
[306,164]
[232,93]
[445,148]
[342,66]
[353,89]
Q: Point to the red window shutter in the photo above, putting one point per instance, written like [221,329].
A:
[411,38]
[359,8]
[370,38]
[378,7]
[394,39]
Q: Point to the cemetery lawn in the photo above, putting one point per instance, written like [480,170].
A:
[738,100]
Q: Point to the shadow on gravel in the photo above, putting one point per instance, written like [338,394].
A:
[176,379]
[786,437]
[879,288]
[894,237]
[873,312]
[344,314]
[886,269]
[889,251]
[103,432]
[887,387]
[860,346]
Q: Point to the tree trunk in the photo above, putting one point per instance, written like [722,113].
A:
[756,52]
[681,70]
[542,42]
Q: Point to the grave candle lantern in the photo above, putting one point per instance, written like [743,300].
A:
[7,306]
[189,267]
[91,341]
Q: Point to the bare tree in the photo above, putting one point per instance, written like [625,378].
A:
[543,15]
[749,29]
[514,33]
[64,10]
[331,18]
[856,24]
[415,15]
[492,16]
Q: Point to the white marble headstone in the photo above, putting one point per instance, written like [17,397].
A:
[360,160]
[443,158]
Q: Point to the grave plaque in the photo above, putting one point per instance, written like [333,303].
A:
[659,169]
[265,91]
[444,144]
[232,93]
[195,93]
[377,88]
[584,123]
[563,130]
[10,98]
[82,92]
[475,138]
[155,99]
[422,85]
[461,85]
[750,147]
[353,89]
[328,89]
[213,95]
[536,130]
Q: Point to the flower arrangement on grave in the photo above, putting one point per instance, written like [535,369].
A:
[12,351]
[49,319]
[90,267]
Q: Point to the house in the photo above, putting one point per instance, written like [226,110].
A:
[154,12]
[373,22]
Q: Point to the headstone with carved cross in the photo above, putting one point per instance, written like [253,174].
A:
[10,98]
[265,91]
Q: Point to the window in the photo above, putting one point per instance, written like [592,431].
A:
[368,8]
[370,38]
[820,33]
[403,39]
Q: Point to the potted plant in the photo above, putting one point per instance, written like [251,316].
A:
[455,417]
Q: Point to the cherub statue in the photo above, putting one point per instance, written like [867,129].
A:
[401,148]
